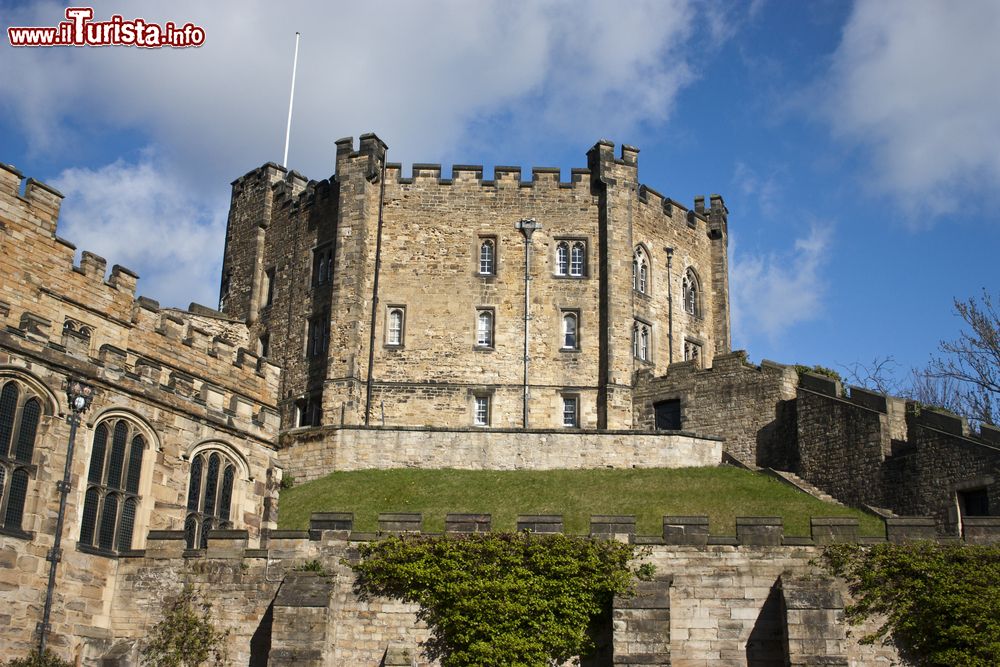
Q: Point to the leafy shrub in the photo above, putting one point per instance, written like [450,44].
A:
[818,370]
[185,637]
[288,481]
[500,598]
[311,566]
[940,604]
[34,659]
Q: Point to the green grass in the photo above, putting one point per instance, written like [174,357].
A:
[720,493]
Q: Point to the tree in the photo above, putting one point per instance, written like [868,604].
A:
[185,637]
[973,360]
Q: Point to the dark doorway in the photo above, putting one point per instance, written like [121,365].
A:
[974,502]
[668,415]
[260,643]
[767,645]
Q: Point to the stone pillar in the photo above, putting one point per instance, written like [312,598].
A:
[299,634]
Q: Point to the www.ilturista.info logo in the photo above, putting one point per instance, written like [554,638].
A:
[79,30]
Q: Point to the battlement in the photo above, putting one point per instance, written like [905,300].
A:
[690,531]
[86,314]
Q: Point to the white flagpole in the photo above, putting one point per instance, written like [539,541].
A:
[291,100]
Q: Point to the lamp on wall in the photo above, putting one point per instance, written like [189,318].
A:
[79,396]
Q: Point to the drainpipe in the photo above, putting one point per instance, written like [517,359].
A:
[670,308]
[378,266]
[527,227]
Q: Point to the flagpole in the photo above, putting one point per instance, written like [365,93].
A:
[291,100]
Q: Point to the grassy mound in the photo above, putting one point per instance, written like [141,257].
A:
[720,493]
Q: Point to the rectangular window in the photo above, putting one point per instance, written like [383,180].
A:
[269,287]
[571,258]
[322,270]
[309,410]
[319,335]
[692,352]
[571,412]
[395,325]
[482,411]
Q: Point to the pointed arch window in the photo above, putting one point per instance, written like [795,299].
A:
[691,292]
[640,271]
[577,259]
[640,341]
[20,414]
[484,329]
[570,330]
[562,258]
[487,257]
[210,496]
[112,500]
[394,329]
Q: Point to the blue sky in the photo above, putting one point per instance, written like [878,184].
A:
[857,144]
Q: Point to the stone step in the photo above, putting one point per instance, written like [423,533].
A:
[794,480]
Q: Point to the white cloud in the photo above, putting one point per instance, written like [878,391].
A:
[772,293]
[139,215]
[916,83]
[417,73]
[764,190]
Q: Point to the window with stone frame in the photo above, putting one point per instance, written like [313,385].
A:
[322,268]
[481,410]
[691,293]
[318,340]
[562,258]
[570,330]
[111,503]
[570,410]
[309,410]
[484,328]
[571,258]
[692,352]
[395,326]
[210,496]
[640,271]
[269,286]
[20,414]
[640,341]
[487,256]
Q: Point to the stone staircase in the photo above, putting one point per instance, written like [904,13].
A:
[794,480]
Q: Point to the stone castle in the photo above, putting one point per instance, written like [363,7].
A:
[376,321]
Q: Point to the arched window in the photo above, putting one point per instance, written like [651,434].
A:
[577,259]
[569,331]
[691,293]
[394,332]
[20,413]
[210,496]
[562,258]
[487,257]
[640,271]
[112,500]
[640,341]
[484,328]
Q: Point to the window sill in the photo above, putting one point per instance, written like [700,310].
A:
[95,551]
[569,277]
[393,347]
[17,532]
[569,350]
[483,348]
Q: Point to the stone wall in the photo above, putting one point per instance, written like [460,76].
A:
[751,407]
[307,454]
[179,379]
[422,235]
[753,599]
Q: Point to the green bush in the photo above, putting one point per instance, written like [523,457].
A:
[34,659]
[500,598]
[185,637]
[939,604]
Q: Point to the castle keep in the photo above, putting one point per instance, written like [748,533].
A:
[402,300]
[374,320]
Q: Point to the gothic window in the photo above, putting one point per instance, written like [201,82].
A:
[640,271]
[577,259]
[112,499]
[691,292]
[210,497]
[640,341]
[487,257]
[562,258]
[322,272]
[692,352]
[481,411]
[20,412]
[571,411]
[570,339]
[394,329]
[484,328]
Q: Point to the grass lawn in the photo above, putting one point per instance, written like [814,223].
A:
[720,493]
